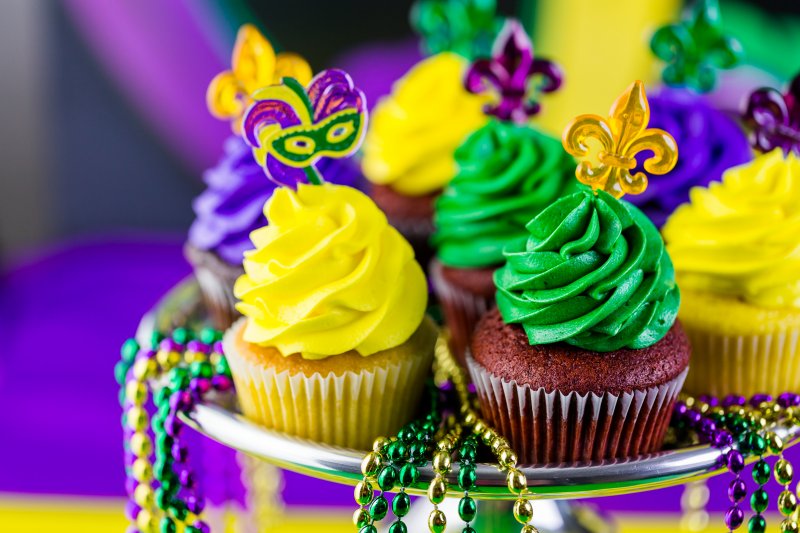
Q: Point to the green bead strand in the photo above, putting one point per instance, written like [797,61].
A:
[398,527]
[467,509]
[378,508]
[409,474]
[757,524]
[761,472]
[401,504]
[467,477]
[759,501]
[387,478]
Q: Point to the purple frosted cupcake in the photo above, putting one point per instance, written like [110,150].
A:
[227,211]
[710,141]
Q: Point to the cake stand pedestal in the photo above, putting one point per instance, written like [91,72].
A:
[551,486]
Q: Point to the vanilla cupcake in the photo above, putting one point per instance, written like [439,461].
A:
[334,345]
[736,250]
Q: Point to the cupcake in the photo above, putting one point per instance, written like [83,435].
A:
[231,206]
[583,359]
[711,142]
[508,172]
[736,248]
[227,211]
[334,344]
[408,151]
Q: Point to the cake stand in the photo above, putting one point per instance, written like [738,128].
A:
[551,486]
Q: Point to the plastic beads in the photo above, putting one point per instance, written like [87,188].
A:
[607,147]
[695,47]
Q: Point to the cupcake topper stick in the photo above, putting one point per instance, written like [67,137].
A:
[510,71]
[774,118]
[607,147]
[694,47]
[254,65]
[290,127]
[466,27]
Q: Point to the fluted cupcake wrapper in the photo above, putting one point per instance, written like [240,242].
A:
[348,410]
[462,310]
[743,364]
[216,280]
[556,427]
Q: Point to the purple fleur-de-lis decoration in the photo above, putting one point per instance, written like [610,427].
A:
[774,118]
[514,74]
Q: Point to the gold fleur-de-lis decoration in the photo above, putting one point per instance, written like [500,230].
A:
[254,65]
[607,147]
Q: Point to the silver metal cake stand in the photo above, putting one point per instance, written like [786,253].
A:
[552,486]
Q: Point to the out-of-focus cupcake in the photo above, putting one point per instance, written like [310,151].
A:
[736,248]
[413,133]
[582,359]
[334,344]
[508,172]
[711,142]
[231,206]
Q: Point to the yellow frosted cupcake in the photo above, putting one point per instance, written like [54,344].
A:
[334,344]
[410,145]
[736,251]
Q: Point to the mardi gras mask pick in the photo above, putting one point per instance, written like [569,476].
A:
[291,127]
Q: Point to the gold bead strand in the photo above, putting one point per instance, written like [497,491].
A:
[442,464]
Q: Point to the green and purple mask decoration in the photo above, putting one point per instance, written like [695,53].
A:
[695,48]
[515,75]
[774,118]
[291,127]
[465,27]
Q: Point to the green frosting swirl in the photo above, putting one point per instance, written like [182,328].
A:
[507,174]
[593,273]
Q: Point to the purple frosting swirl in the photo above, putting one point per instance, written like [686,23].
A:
[232,205]
[709,143]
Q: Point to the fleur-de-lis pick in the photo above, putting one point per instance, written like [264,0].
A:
[607,147]
[513,73]
[254,65]
[466,27]
[774,118]
[695,47]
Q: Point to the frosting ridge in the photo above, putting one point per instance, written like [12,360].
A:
[741,237]
[593,273]
[329,275]
[507,174]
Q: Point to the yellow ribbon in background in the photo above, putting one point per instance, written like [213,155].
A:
[602,45]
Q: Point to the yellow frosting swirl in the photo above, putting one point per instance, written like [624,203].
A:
[741,237]
[329,275]
[414,131]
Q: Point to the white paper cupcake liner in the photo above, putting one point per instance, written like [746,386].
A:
[556,427]
[744,364]
[462,310]
[348,410]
